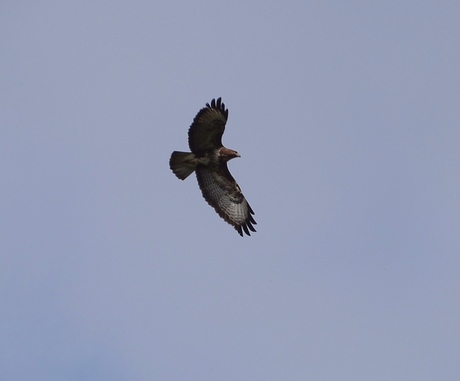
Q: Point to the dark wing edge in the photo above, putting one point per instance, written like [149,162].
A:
[247,224]
[208,126]
[221,191]
[218,105]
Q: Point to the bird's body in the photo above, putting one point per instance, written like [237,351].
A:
[209,160]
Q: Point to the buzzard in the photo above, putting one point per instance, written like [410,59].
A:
[209,161]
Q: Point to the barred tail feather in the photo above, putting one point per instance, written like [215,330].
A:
[182,164]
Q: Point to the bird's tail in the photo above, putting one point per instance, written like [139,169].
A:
[182,164]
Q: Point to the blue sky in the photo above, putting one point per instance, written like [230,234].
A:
[346,115]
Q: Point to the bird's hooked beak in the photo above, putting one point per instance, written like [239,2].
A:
[228,154]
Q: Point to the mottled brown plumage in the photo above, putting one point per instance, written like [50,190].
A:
[209,160]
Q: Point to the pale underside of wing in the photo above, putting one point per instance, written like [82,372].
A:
[222,192]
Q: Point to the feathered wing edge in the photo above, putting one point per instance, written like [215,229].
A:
[219,105]
[247,224]
[215,191]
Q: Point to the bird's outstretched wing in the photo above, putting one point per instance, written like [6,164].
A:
[221,191]
[207,128]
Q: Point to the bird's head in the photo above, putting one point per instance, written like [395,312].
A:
[228,154]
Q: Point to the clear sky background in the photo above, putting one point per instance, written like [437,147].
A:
[347,118]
